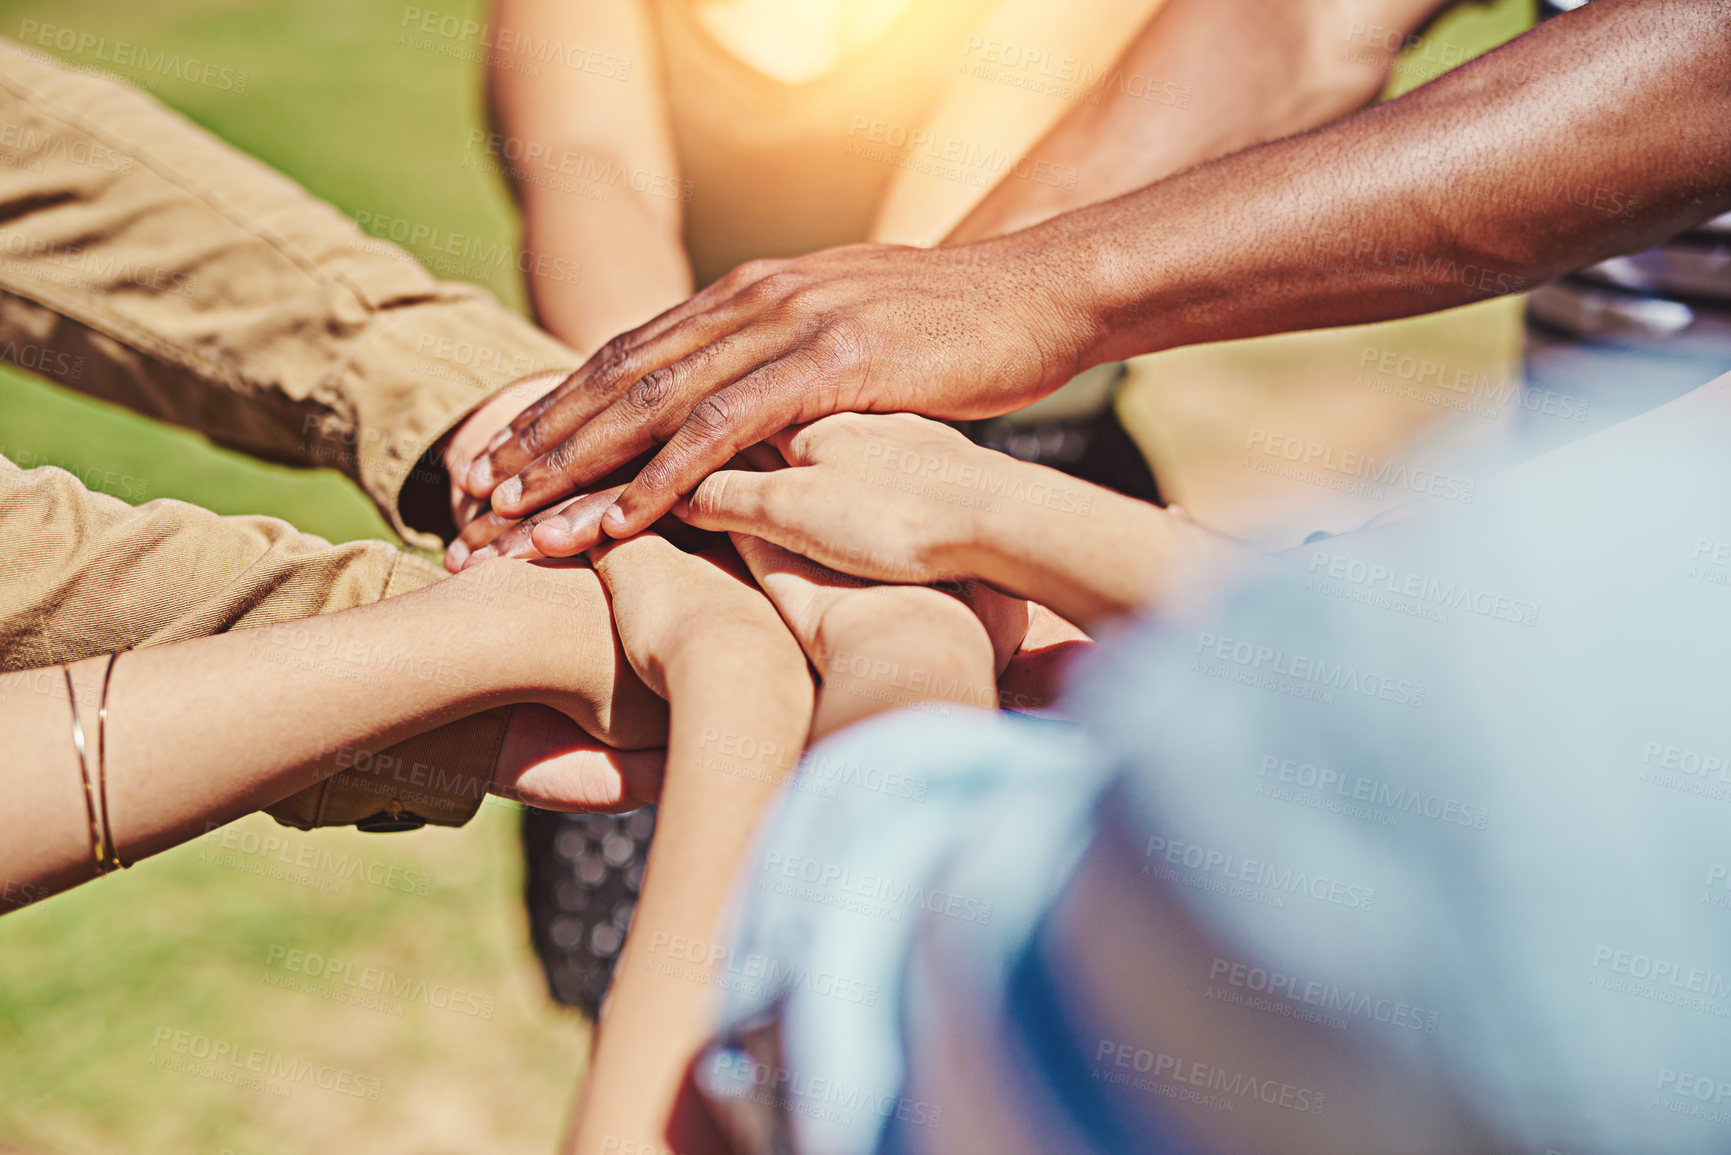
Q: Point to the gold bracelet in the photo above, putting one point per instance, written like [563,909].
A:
[84,771]
[111,850]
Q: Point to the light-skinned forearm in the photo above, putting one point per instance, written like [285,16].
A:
[892,647]
[741,709]
[600,257]
[1089,554]
[1207,78]
[1598,133]
[207,730]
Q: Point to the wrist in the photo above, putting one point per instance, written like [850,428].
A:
[541,629]
[1025,509]
[752,702]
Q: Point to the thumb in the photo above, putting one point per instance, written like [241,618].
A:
[731,499]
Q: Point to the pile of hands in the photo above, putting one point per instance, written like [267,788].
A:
[860,547]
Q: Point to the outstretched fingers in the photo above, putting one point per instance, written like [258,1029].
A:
[753,409]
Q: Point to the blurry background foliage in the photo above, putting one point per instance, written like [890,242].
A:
[197,940]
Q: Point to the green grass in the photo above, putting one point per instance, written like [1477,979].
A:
[184,941]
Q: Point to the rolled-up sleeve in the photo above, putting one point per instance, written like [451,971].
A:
[144,261]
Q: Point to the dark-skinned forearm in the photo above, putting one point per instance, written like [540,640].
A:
[1600,133]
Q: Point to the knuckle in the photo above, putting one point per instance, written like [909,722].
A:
[613,362]
[710,418]
[532,437]
[651,390]
[709,498]
[773,287]
[846,340]
[754,270]
[560,459]
[658,476]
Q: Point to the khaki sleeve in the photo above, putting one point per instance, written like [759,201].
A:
[83,573]
[146,262]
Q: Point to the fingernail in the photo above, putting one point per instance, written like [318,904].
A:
[613,521]
[456,556]
[485,553]
[499,439]
[480,475]
[508,494]
[558,533]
